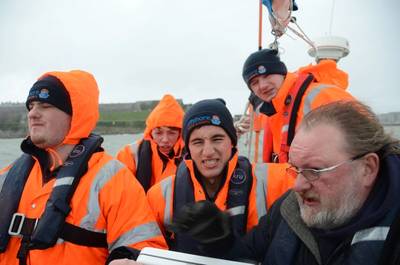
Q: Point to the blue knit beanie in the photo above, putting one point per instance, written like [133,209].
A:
[262,62]
[50,90]
[209,112]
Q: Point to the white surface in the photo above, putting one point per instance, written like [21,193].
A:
[330,47]
[154,256]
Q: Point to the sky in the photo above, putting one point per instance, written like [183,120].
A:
[142,49]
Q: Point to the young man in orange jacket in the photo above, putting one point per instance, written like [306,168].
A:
[211,172]
[286,97]
[65,200]
[283,98]
[156,155]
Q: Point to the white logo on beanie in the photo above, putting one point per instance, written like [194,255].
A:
[215,120]
[44,93]
[261,69]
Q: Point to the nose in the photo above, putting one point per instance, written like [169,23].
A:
[33,112]
[301,184]
[164,138]
[263,81]
[208,149]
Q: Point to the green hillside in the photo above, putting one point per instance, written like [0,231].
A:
[123,115]
[115,118]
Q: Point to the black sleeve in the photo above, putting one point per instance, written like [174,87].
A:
[123,253]
[254,245]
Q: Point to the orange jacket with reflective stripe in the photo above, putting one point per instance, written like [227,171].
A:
[329,85]
[161,195]
[108,199]
[276,181]
[167,113]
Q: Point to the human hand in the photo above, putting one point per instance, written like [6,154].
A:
[124,262]
[242,126]
[203,221]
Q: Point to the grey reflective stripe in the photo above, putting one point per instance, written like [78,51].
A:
[63,181]
[236,210]
[285,128]
[261,173]
[134,150]
[377,233]
[260,146]
[310,96]
[2,178]
[93,208]
[138,234]
[166,190]
[257,109]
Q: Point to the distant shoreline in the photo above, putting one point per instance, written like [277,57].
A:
[115,118]
[114,131]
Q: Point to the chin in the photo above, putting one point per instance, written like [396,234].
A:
[267,98]
[211,173]
[37,140]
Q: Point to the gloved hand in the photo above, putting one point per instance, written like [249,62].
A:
[203,221]
[242,126]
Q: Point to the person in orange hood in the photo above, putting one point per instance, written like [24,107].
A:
[156,155]
[65,199]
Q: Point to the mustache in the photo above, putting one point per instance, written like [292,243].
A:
[307,195]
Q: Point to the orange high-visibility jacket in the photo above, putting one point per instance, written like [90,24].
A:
[107,199]
[275,179]
[167,113]
[161,195]
[330,85]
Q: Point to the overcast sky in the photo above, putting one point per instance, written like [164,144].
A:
[142,49]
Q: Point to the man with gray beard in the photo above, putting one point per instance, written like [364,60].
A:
[344,206]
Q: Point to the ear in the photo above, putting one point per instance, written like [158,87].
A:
[370,169]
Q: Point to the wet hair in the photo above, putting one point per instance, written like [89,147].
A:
[361,127]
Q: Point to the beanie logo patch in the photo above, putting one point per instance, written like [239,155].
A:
[261,69]
[39,94]
[215,120]
[44,93]
[203,120]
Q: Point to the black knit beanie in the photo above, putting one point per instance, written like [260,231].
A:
[208,112]
[263,62]
[50,90]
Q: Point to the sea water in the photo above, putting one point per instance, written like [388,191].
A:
[10,148]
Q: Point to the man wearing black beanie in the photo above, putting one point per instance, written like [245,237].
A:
[65,198]
[286,97]
[212,177]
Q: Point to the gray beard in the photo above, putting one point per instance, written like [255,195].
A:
[349,205]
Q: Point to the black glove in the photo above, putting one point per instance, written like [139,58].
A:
[203,221]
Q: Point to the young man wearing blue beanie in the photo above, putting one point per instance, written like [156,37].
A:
[286,97]
[213,175]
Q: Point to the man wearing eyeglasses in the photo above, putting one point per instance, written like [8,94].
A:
[344,206]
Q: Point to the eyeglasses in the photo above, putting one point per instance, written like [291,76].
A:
[312,174]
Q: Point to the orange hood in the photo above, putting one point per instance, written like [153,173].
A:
[326,71]
[84,94]
[167,113]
